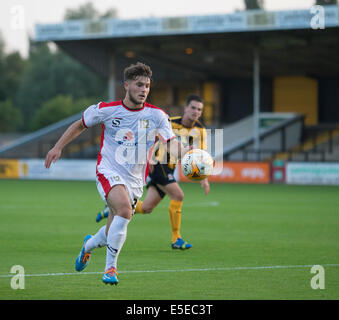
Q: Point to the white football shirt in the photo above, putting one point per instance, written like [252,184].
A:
[127,138]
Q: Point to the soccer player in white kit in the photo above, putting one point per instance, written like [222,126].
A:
[129,130]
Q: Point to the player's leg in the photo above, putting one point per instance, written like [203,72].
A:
[119,203]
[89,244]
[100,238]
[154,194]
[176,195]
[83,257]
[152,199]
[102,214]
[97,241]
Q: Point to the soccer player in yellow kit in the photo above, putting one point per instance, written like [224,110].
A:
[190,131]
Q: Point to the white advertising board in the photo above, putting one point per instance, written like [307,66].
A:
[312,173]
[250,20]
[61,170]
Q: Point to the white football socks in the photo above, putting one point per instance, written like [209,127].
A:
[97,241]
[115,239]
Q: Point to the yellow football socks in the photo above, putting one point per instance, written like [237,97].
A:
[175,218]
[138,208]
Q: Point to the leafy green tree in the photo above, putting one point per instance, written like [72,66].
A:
[2,46]
[85,11]
[13,69]
[110,13]
[26,84]
[254,4]
[88,11]
[49,74]
[10,117]
[58,108]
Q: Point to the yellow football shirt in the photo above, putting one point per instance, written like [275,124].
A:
[196,136]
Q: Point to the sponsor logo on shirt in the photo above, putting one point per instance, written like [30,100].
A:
[128,139]
[116,122]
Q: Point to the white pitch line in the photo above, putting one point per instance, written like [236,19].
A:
[173,270]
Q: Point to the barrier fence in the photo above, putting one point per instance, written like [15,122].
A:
[316,173]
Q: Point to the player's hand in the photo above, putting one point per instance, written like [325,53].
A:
[205,184]
[52,155]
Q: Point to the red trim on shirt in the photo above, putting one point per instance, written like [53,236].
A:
[148,105]
[146,171]
[110,104]
[101,145]
[83,122]
[165,141]
[154,107]
[171,138]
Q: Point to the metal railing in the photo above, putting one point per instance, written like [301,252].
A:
[317,144]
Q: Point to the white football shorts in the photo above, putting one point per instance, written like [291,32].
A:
[105,183]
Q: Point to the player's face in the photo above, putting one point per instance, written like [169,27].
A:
[138,89]
[193,110]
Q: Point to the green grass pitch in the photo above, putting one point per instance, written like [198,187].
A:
[249,242]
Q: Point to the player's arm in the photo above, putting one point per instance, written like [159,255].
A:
[68,136]
[176,148]
[204,183]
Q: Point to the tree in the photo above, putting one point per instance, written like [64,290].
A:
[84,11]
[88,11]
[2,46]
[325,2]
[10,117]
[254,4]
[110,13]
[58,108]
[12,71]
[49,74]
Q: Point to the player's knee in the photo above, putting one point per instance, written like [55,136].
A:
[147,208]
[178,196]
[125,212]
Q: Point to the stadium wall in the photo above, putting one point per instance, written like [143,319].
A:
[304,173]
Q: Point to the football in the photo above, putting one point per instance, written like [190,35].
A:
[197,164]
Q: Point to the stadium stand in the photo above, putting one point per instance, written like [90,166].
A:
[298,74]
[37,144]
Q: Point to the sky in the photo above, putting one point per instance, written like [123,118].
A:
[18,17]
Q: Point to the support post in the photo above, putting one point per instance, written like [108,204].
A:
[111,78]
[256,98]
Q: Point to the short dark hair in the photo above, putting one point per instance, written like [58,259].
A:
[193,97]
[137,70]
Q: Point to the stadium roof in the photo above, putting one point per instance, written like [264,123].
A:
[206,47]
